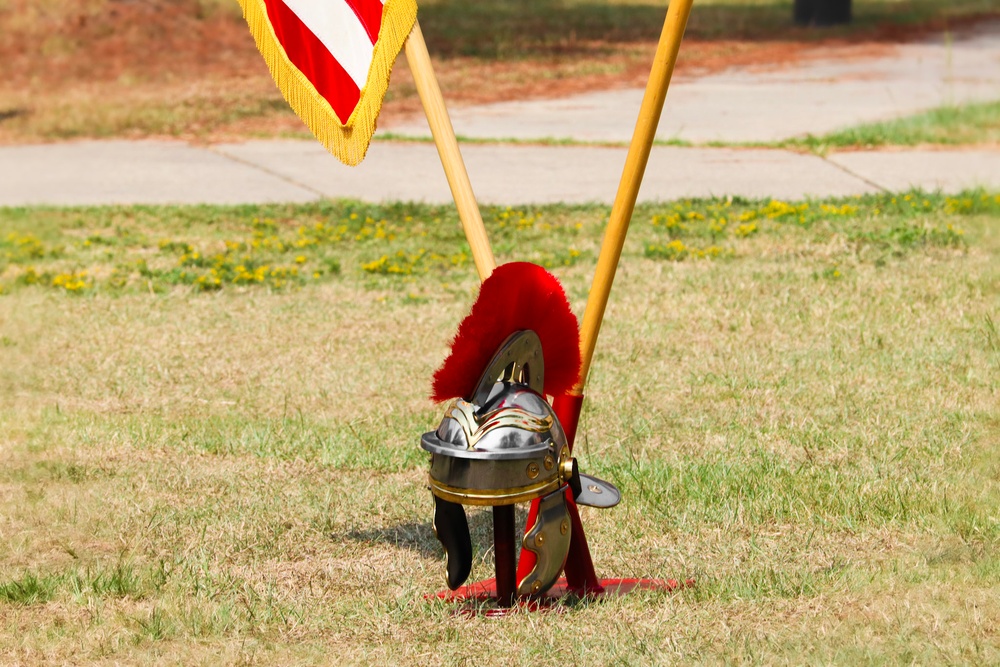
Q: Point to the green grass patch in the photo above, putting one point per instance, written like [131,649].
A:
[966,124]
[280,247]
[28,589]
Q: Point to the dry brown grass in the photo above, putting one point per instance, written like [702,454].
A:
[194,478]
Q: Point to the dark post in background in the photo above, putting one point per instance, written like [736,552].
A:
[822,12]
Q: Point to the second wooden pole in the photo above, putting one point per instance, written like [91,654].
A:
[628,188]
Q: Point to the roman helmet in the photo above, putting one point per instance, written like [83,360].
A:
[501,444]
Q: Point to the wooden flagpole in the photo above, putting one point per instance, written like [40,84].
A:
[475,231]
[628,188]
[451,158]
[580,574]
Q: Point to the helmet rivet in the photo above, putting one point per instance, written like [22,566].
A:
[533,470]
[564,527]
[537,586]
[539,539]
[549,462]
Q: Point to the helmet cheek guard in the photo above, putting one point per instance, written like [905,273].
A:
[502,446]
[548,539]
[452,530]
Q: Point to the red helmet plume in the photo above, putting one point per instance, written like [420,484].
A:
[515,297]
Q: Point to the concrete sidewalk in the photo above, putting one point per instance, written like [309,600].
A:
[149,172]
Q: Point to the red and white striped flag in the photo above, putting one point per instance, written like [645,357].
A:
[331,60]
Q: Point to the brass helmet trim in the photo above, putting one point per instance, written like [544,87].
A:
[493,496]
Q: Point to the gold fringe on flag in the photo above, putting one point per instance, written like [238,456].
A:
[348,142]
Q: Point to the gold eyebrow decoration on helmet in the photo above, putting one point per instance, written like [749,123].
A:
[476,426]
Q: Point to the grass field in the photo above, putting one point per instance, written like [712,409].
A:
[209,423]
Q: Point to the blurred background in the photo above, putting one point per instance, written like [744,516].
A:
[189,69]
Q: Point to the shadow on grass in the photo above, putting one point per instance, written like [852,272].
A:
[519,28]
[418,536]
